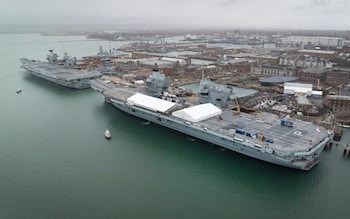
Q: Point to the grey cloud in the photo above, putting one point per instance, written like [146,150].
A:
[228,2]
[257,13]
[301,7]
[320,2]
[326,7]
[315,5]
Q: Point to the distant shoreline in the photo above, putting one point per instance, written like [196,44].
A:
[64,34]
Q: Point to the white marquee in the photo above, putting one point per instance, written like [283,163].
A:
[198,113]
[150,103]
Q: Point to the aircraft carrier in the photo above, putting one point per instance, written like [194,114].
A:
[264,136]
[62,74]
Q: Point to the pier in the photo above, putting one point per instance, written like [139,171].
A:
[346,150]
[331,143]
[338,133]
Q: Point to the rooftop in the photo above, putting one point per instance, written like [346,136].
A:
[278,79]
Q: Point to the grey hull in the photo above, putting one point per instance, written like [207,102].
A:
[263,136]
[216,138]
[60,75]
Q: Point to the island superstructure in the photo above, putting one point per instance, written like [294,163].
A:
[62,74]
[282,141]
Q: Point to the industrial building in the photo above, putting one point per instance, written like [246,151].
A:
[272,70]
[276,80]
[306,61]
[309,42]
[293,88]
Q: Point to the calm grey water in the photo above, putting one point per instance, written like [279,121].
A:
[56,163]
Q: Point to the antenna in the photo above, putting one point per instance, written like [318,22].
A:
[64,51]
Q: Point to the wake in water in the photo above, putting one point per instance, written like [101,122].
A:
[190,139]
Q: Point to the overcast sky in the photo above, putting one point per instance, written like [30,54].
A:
[315,14]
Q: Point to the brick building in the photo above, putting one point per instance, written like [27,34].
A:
[337,77]
[144,55]
[319,53]
[265,59]
[243,67]
[311,74]
[304,104]
[170,71]
[272,70]
[208,71]
[337,103]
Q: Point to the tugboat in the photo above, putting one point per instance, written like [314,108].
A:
[108,134]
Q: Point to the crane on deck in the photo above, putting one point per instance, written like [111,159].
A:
[238,109]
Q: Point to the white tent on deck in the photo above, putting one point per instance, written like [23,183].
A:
[198,113]
[150,103]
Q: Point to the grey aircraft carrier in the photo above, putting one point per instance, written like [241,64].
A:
[264,136]
[63,74]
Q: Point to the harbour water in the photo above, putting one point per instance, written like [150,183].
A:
[56,163]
